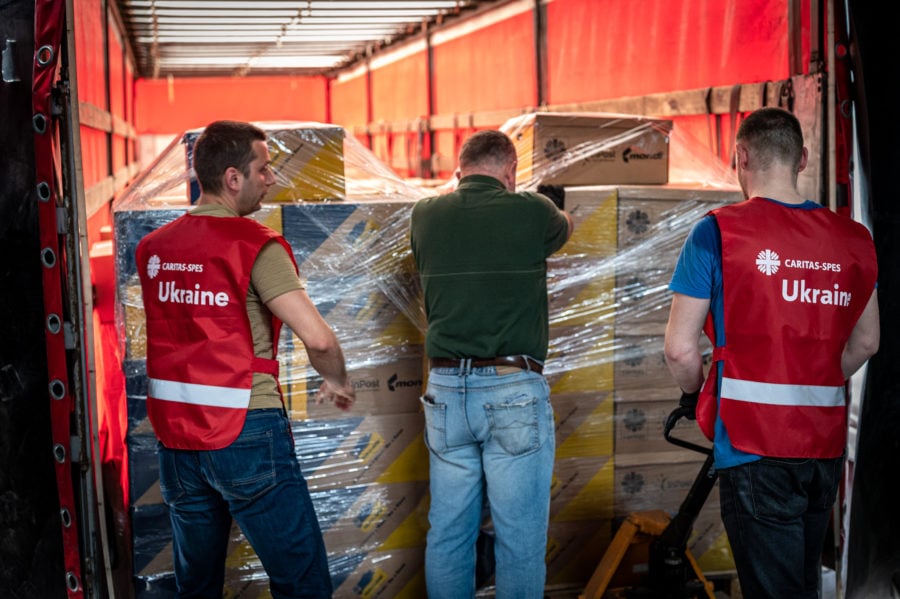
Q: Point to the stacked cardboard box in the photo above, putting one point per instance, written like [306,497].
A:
[368,468]
[307,159]
[609,303]
[589,149]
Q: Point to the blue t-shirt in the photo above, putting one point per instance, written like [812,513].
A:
[698,273]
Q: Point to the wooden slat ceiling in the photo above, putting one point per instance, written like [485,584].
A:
[246,37]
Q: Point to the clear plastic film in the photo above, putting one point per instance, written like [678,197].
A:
[346,216]
[634,188]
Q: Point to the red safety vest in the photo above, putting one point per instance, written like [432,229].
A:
[794,285]
[195,273]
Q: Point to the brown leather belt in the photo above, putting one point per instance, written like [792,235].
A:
[517,361]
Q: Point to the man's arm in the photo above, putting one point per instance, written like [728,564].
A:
[864,338]
[298,312]
[682,341]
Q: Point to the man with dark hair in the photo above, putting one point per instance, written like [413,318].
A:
[788,287]
[481,253]
[216,289]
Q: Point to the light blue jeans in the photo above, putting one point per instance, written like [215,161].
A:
[257,481]
[488,433]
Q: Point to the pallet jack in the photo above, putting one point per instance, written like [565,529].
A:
[648,557]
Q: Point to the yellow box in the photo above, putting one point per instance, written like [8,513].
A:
[394,574]
[375,517]
[582,489]
[387,448]
[580,359]
[307,159]
[574,549]
[584,424]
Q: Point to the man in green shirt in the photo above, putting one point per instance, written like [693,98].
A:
[481,253]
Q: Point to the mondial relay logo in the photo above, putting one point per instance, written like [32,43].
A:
[768,262]
[153,266]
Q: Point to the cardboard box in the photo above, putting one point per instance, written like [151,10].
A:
[580,359]
[307,159]
[373,517]
[574,549]
[359,450]
[582,295]
[643,300]
[590,148]
[594,212]
[582,489]
[656,481]
[639,427]
[367,314]
[394,574]
[640,369]
[370,238]
[392,386]
[659,218]
[584,424]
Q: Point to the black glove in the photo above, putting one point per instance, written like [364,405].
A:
[556,193]
[688,403]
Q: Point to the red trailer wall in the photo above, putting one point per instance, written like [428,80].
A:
[399,95]
[90,64]
[600,50]
[171,106]
[487,69]
[485,64]
[350,102]
[117,97]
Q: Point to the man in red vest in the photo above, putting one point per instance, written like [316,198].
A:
[216,288]
[784,288]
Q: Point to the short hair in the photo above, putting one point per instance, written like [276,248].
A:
[772,134]
[224,144]
[487,148]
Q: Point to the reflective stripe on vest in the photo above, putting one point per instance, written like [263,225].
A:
[199,395]
[776,394]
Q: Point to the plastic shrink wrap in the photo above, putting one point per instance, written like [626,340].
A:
[346,216]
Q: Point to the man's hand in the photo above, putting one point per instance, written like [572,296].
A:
[343,396]
[688,404]
[556,193]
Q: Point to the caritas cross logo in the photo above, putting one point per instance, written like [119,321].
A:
[153,266]
[768,262]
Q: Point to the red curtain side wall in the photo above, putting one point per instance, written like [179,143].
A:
[117,98]
[399,93]
[602,50]
[349,103]
[488,69]
[92,81]
[170,107]
[492,68]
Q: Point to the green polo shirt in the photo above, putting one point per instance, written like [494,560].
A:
[481,253]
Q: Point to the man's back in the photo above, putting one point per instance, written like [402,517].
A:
[481,252]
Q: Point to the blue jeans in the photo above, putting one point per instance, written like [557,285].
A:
[776,513]
[257,481]
[488,433]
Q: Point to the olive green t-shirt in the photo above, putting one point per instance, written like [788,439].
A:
[481,253]
[273,274]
